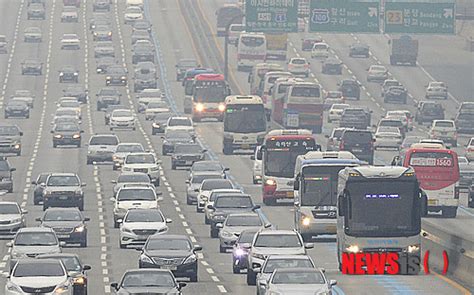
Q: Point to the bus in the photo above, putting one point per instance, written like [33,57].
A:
[379,210]
[277,46]
[209,93]
[303,107]
[227,15]
[257,74]
[278,93]
[278,154]
[315,191]
[188,84]
[251,50]
[264,88]
[244,123]
[437,171]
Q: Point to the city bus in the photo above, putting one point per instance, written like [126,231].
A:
[278,93]
[209,93]
[227,15]
[251,50]
[257,74]
[379,210]
[315,191]
[278,154]
[303,107]
[245,124]
[437,171]
[188,83]
[266,84]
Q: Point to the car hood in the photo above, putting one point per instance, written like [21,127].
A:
[37,249]
[144,225]
[34,34]
[99,49]
[236,230]
[122,119]
[6,217]
[221,211]
[148,290]
[61,223]
[38,282]
[16,107]
[279,251]
[298,289]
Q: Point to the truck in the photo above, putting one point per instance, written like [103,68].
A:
[403,50]
[277,45]
[227,15]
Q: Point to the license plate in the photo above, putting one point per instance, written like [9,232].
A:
[289,194]
[292,120]
[189,162]
[170,267]
[62,236]
[331,228]
[357,150]
[63,197]
[245,146]
[432,202]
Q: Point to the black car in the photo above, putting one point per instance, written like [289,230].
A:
[358,142]
[143,50]
[141,25]
[359,49]
[110,109]
[36,11]
[349,88]
[106,97]
[331,66]
[101,5]
[39,185]
[66,134]
[116,75]
[172,252]
[104,63]
[173,138]
[185,154]
[395,94]
[465,122]
[427,111]
[68,223]
[145,76]
[148,281]
[104,48]
[3,44]
[77,91]
[140,35]
[75,269]
[355,118]
[68,74]
[102,33]
[32,67]
[6,176]
[159,122]
[183,65]
[470,198]
[17,108]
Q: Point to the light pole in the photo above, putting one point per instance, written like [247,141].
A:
[226,45]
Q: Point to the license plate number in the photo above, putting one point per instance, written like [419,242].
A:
[170,267]
[62,236]
[245,146]
[63,197]
[432,202]
[289,194]
[357,150]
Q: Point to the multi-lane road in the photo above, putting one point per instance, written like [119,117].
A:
[186,28]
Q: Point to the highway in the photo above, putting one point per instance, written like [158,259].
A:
[181,29]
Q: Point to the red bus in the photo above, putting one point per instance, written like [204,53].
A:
[209,93]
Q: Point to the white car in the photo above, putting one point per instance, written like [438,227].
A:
[377,73]
[181,123]
[444,130]
[320,50]
[298,66]
[402,113]
[257,167]
[132,14]
[124,149]
[70,41]
[139,224]
[149,95]
[388,137]
[69,14]
[154,108]
[436,90]
[70,104]
[336,110]
[133,197]
[122,119]
[470,149]
[205,189]
[128,179]
[145,163]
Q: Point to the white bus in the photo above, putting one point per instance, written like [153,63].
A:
[257,74]
[244,123]
[251,50]
[266,84]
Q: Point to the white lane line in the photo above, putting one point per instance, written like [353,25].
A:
[221,289]
[215,279]
[210,270]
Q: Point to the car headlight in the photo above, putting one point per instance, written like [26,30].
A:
[258,256]
[146,259]
[305,221]
[61,74]
[156,125]
[14,288]
[17,255]
[192,258]
[155,168]
[76,74]
[163,229]
[126,230]
[126,169]
[62,289]
[108,77]
[413,248]
[17,146]
[352,248]
[76,136]
[110,34]
[270,182]
[80,229]
[226,234]
[219,217]
[78,191]
[239,252]
[80,280]
[16,220]
[199,107]
[123,78]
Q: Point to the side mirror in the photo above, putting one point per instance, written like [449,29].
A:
[252,157]
[112,199]
[12,169]
[62,243]
[52,131]
[196,190]
[113,181]
[86,267]
[187,181]
[87,219]
[204,151]
[246,245]
[258,270]
[34,182]
[181,285]
[219,225]
[24,211]
[168,220]
[297,203]
[82,131]
[119,220]
[21,133]
[226,169]
[197,248]
[83,184]
[38,219]
[296,185]
[210,207]
[114,286]
[309,245]
[9,244]
[332,282]
[267,225]
[256,207]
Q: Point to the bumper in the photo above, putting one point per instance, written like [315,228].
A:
[183,270]
[277,194]
[127,125]
[100,157]
[67,141]
[208,114]
[63,201]
[131,239]
[387,144]
[70,46]
[436,203]
[319,227]
[17,113]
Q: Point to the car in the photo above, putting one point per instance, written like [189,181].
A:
[78,91]
[70,41]
[359,49]
[116,75]
[33,35]
[273,242]
[308,43]
[3,44]
[208,210]
[12,218]
[68,74]
[336,110]
[103,64]
[75,3]
[274,262]
[69,15]
[63,190]
[185,154]
[183,65]
[358,142]
[470,197]
[139,224]
[16,108]
[394,122]
[444,130]
[158,125]
[298,66]
[106,97]
[465,118]
[208,166]
[63,115]
[396,94]
[173,252]
[354,117]
[122,119]
[122,150]
[204,191]
[160,281]
[320,50]
[240,250]
[140,35]
[134,197]
[470,149]
[408,141]
[103,49]
[436,90]
[225,204]
[110,109]
[427,111]
[404,115]
[32,66]
[334,139]
[71,103]
[194,182]
[181,123]
[350,88]
[102,33]
[76,270]
[304,280]
[68,223]
[39,185]
[6,175]
[143,50]
[377,73]
[234,224]
[101,148]
[25,96]
[145,163]
[174,137]
[130,179]
[101,5]
[145,76]
[10,139]
[389,83]
[388,137]
[466,171]
[97,19]
[142,25]
[149,95]
[36,11]
[257,167]
[332,97]
[331,65]
[67,134]
[49,276]
[31,242]
[154,108]
[433,142]
[132,14]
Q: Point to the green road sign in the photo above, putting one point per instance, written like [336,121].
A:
[423,16]
[276,16]
[344,16]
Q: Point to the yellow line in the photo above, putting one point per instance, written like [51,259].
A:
[456,285]
[193,45]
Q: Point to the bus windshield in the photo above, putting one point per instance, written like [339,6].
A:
[320,185]
[253,41]
[245,118]
[210,94]
[280,155]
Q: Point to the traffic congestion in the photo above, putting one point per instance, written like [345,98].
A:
[156,147]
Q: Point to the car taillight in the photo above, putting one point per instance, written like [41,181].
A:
[341,145]
[470,149]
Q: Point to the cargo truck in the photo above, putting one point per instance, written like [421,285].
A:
[403,50]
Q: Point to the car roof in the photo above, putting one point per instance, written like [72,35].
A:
[9,203]
[296,257]
[277,232]
[63,174]
[36,229]
[169,237]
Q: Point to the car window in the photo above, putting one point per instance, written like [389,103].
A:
[200,178]
[132,148]
[9,130]
[4,166]
[246,237]
[140,159]
[104,140]
[273,264]
[133,178]
[71,263]
[357,136]
[136,194]
[208,185]
[298,278]
[168,244]
[148,279]
[37,270]
[444,124]
[187,149]
[35,239]
[9,209]
[243,221]
[144,216]
[179,122]
[277,240]
[63,181]
[62,215]
[233,202]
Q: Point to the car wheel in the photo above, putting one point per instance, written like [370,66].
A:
[84,243]
[54,145]
[116,224]
[214,233]
[193,278]
[173,166]
[269,202]
[122,246]
[89,161]
[35,201]
[45,206]
[449,212]
[81,207]
[251,278]
[153,132]
[206,220]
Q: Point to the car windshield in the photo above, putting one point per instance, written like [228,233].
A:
[133,9]
[179,122]
[233,202]
[66,127]
[63,181]
[244,221]
[70,104]
[298,278]
[444,124]
[71,263]
[148,279]
[377,69]
[168,244]
[9,130]
[320,46]
[187,64]
[60,113]
[209,185]
[157,105]
[162,117]
[9,209]
[16,102]
[36,239]
[139,177]
[122,113]
[277,241]
[246,237]
[129,148]
[136,194]
[298,61]
[207,166]
[187,149]
[47,269]
[273,264]
[104,140]
[4,166]
[140,159]
[33,30]
[144,216]
[69,36]
[200,178]
[104,44]
[62,215]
